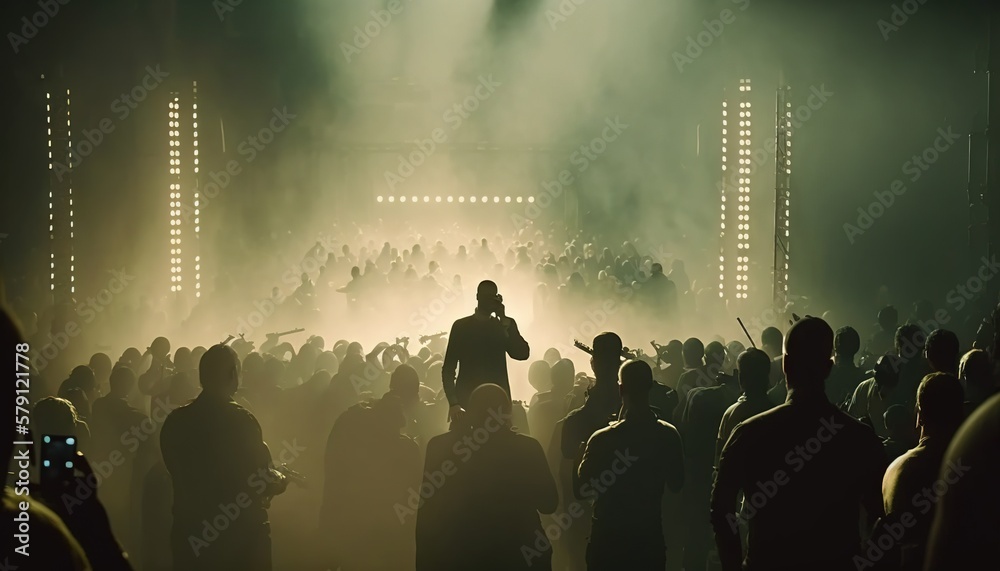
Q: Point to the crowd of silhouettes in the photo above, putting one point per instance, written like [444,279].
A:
[814,451]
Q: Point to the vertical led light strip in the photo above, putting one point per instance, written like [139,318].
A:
[176,253]
[788,187]
[782,192]
[196,189]
[69,189]
[62,262]
[722,198]
[52,237]
[743,226]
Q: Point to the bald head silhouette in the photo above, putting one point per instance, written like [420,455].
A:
[219,370]
[486,296]
[488,401]
[808,354]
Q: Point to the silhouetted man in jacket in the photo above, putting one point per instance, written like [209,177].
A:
[478,346]
[805,468]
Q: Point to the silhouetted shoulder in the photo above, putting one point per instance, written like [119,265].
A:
[787,413]
[239,412]
[965,525]
[666,427]
[525,440]
[53,547]
[464,322]
[442,444]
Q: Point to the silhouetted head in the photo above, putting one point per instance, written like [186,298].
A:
[942,351]
[182,359]
[909,341]
[404,383]
[130,356]
[656,269]
[607,357]
[160,347]
[100,363]
[122,381]
[847,343]
[253,364]
[82,377]
[887,370]
[486,295]
[673,352]
[355,272]
[540,376]
[755,367]
[196,355]
[694,353]
[635,382]
[489,404]
[715,355]
[976,369]
[563,373]
[770,341]
[220,371]
[888,318]
[808,352]
[940,401]
[55,416]
[354,348]
[552,356]
[733,351]
[328,361]
[899,422]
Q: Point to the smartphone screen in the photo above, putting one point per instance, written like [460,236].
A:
[58,460]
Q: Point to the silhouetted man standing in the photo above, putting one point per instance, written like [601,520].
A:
[478,346]
[602,406]
[805,468]
[222,475]
[939,414]
[625,468]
